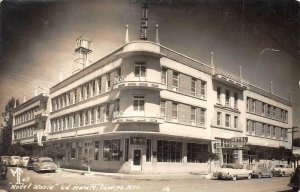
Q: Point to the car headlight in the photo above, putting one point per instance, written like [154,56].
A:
[228,173]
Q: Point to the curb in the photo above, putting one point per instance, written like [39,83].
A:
[129,176]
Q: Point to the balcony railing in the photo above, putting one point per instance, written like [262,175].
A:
[120,82]
[119,117]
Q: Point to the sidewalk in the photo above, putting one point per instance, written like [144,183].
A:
[144,176]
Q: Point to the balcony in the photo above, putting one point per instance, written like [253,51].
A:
[41,113]
[119,117]
[121,83]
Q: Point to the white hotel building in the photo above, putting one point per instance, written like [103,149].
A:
[146,108]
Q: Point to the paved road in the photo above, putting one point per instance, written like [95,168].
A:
[69,182]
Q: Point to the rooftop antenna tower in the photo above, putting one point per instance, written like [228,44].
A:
[82,51]
[144,20]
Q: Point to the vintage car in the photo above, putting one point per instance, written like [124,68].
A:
[14,160]
[24,161]
[260,170]
[4,159]
[282,170]
[3,171]
[44,164]
[232,171]
[30,162]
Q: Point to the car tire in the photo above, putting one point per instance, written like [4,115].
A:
[259,176]
[271,175]
[234,177]
[283,173]
[249,176]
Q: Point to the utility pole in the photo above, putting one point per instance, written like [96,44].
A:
[292,148]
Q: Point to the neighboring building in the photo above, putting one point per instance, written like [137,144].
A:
[147,108]
[29,121]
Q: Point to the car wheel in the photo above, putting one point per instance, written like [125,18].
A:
[259,176]
[271,175]
[283,173]
[234,177]
[249,176]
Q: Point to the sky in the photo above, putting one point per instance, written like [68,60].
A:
[38,39]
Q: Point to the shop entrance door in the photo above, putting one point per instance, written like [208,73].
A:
[137,157]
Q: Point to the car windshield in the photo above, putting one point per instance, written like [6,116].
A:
[25,158]
[280,166]
[16,157]
[47,160]
[227,166]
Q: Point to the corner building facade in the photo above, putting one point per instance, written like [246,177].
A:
[146,108]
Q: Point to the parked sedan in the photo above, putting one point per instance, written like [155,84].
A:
[3,171]
[24,161]
[44,164]
[14,160]
[30,162]
[282,170]
[260,170]
[233,171]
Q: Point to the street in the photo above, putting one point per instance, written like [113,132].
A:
[66,181]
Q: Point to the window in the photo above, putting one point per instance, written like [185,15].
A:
[274,132]
[75,96]
[219,118]
[62,122]
[263,131]
[285,116]
[227,98]
[93,91]
[274,111]
[73,120]
[149,150]
[227,120]
[169,151]
[236,97]
[174,110]
[193,115]
[269,110]
[196,153]
[164,75]
[253,106]
[88,89]
[67,122]
[81,118]
[236,121]
[203,89]
[202,117]
[92,114]
[140,70]
[108,81]
[163,108]
[98,113]
[99,85]
[111,150]
[253,128]
[193,87]
[248,104]
[96,153]
[81,93]
[219,95]
[284,134]
[107,111]
[175,81]
[268,130]
[263,113]
[139,103]
[86,118]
